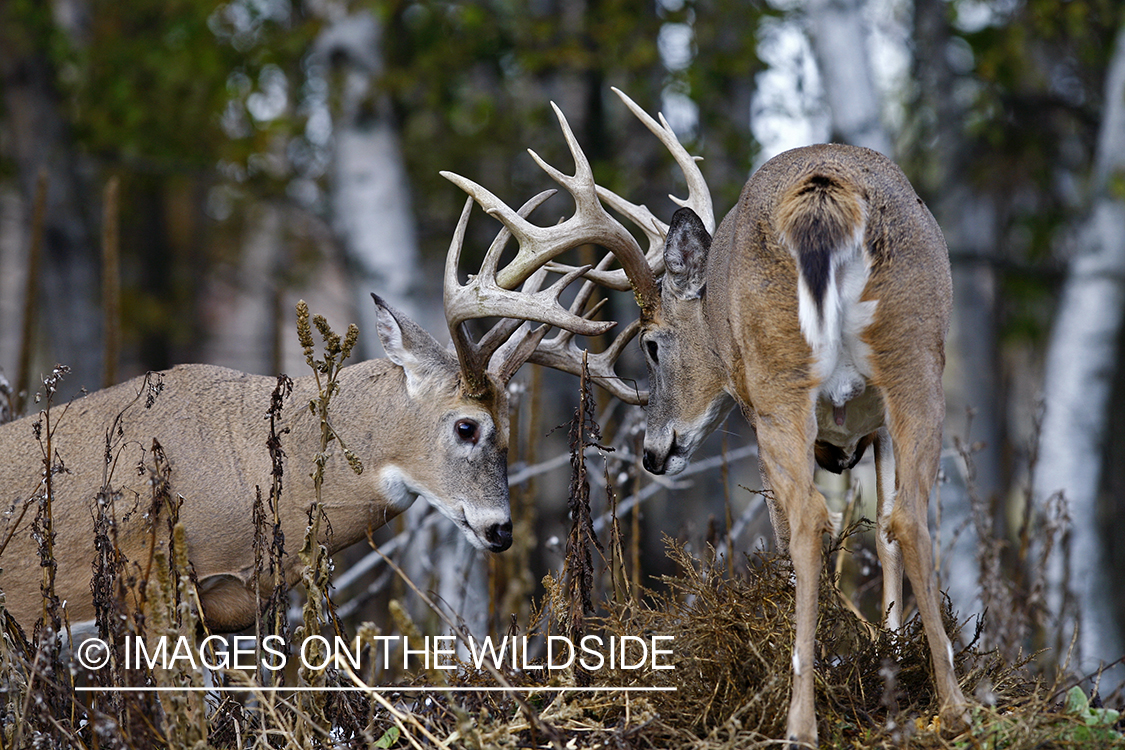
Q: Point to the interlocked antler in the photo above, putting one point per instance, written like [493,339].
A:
[561,352]
[538,246]
[498,351]
[591,224]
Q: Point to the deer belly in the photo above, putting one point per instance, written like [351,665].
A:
[845,430]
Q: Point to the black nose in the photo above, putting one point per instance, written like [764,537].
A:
[499,536]
[651,464]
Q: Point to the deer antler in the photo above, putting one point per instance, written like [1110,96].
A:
[482,296]
[591,223]
[699,200]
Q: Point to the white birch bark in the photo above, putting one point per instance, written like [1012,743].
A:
[839,42]
[370,193]
[1081,359]
[373,220]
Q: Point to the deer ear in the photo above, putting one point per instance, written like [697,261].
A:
[685,255]
[409,346]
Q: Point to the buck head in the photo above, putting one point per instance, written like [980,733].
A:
[459,457]
[686,399]
[460,438]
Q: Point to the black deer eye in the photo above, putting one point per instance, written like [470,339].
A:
[467,431]
[652,349]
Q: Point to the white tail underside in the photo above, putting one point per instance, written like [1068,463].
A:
[841,358]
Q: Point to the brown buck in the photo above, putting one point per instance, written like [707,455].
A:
[820,309]
[425,422]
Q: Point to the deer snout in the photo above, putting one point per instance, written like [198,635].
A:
[499,536]
[657,453]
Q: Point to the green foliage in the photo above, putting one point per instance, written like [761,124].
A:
[389,738]
[1097,724]
[470,84]
[166,84]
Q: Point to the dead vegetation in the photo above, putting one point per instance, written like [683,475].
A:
[727,631]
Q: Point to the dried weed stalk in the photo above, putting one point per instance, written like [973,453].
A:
[579,566]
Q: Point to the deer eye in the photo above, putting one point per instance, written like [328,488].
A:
[467,431]
[652,349]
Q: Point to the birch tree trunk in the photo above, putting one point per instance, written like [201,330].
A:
[370,193]
[373,221]
[1081,359]
[839,42]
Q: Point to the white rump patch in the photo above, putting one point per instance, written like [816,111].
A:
[840,357]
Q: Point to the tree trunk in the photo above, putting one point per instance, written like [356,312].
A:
[40,140]
[242,303]
[1080,363]
[370,192]
[969,221]
[373,220]
[13,277]
[839,42]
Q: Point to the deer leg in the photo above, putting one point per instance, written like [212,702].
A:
[916,433]
[786,449]
[889,550]
[778,521]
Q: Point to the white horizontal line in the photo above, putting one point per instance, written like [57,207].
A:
[375,689]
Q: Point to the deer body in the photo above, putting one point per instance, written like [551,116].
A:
[407,419]
[820,308]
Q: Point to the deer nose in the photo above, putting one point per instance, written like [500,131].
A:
[651,463]
[499,536]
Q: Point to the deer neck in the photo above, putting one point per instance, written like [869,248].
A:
[374,419]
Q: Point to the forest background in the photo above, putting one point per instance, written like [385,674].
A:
[258,151]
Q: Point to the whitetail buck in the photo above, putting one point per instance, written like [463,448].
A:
[820,309]
[425,422]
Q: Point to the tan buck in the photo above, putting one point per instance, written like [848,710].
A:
[820,309]
[425,422]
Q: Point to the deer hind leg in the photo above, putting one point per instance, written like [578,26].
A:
[915,429]
[888,549]
[778,522]
[786,449]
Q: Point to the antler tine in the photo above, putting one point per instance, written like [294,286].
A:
[653,228]
[592,224]
[699,197]
[482,297]
[505,327]
[502,331]
[561,353]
